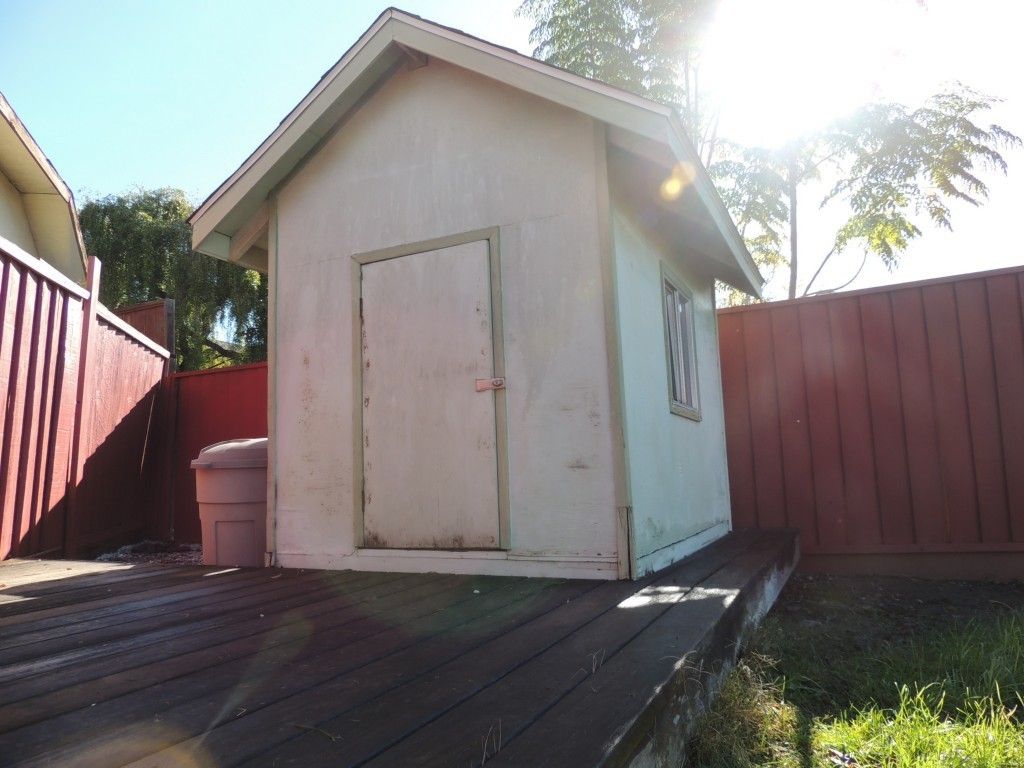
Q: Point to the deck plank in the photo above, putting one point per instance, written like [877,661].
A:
[97,628]
[27,599]
[565,734]
[56,577]
[295,619]
[123,697]
[289,678]
[67,615]
[515,700]
[407,708]
[16,572]
[162,666]
[60,654]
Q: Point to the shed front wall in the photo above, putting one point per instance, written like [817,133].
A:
[435,152]
[677,466]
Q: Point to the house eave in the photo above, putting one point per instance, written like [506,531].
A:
[47,200]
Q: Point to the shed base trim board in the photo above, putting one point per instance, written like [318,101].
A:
[483,563]
[673,553]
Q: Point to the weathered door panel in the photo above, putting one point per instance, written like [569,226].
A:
[430,473]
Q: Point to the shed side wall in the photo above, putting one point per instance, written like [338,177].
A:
[438,151]
[677,466]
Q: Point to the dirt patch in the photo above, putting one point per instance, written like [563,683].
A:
[831,633]
[886,607]
[155,553]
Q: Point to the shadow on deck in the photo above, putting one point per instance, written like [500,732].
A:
[104,664]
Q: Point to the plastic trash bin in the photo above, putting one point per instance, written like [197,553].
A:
[231,488]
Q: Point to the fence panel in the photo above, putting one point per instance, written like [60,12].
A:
[210,406]
[155,319]
[41,312]
[113,499]
[883,421]
[74,427]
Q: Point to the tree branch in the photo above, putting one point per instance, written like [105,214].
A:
[794,265]
[840,287]
[711,139]
[817,272]
[821,162]
[229,353]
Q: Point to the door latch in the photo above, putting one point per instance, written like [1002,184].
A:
[482,385]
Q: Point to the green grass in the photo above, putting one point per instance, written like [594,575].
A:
[893,673]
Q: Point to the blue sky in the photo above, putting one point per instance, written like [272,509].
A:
[159,93]
[178,93]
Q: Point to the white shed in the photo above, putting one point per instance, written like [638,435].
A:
[493,345]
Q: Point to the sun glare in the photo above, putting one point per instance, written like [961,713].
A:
[682,176]
[777,70]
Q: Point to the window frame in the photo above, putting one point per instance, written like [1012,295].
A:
[676,347]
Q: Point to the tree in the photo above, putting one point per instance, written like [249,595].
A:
[144,242]
[649,47]
[890,165]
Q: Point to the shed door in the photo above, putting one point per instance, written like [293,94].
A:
[429,456]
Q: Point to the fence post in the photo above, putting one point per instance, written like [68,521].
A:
[83,408]
[170,315]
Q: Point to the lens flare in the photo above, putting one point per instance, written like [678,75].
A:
[681,177]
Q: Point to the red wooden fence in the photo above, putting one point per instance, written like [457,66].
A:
[888,420]
[207,407]
[77,389]
[153,318]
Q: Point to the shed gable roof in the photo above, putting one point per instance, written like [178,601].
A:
[237,206]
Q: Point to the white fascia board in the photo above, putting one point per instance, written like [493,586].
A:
[599,100]
[683,149]
[327,103]
[298,133]
[294,136]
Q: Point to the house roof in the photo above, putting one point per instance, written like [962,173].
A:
[48,203]
[232,219]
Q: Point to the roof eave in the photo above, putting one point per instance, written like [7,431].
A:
[749,279]
[395,31]
[59,186]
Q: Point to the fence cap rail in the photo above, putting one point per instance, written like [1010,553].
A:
[109,317]
[219,369]
[140,307]
[892,287]
[46,271]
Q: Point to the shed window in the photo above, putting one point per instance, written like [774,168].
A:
[681,350]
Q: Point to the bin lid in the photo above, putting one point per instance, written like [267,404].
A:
[233,454]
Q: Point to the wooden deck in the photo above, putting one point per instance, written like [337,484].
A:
[104,665]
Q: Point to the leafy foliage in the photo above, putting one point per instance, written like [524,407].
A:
[752,183]
[898,164]
[649,47]
[144,242]
[890,165]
